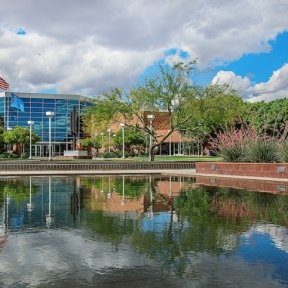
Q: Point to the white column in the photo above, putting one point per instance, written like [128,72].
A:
[122,125]
[30,123]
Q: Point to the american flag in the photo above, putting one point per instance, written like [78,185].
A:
[3,84]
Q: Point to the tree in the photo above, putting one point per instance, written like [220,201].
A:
[133,140]
[170,91]
[268,118]
[93,142]
[218,106]
[20,136]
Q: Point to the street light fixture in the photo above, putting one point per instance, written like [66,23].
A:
[50,114]
[109,138]
[122,125]
[150,118]
[30,123]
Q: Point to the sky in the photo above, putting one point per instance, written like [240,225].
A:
[88,47]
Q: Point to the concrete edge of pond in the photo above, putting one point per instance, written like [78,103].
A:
[174,172]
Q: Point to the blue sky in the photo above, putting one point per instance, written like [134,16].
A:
[89,49]
[258,67]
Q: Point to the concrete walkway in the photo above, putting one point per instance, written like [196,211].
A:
[167,172]
[185,172]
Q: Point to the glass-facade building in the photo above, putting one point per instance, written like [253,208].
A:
[16,109]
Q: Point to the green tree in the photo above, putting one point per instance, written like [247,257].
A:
[92,142]
[268,117]
[2,143]
[20,136]
[133,140]
[171,91]
[216,108]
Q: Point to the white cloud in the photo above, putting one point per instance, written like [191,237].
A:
[241,84]
[276,87]
[88,49]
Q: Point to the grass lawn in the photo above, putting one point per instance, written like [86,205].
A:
[157,158]
[180,158]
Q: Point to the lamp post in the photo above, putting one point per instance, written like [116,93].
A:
[122,125]
[30,123]
[170,147]
[109,136]
[50,114]
[150,118]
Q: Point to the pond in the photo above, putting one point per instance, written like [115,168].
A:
[140,231]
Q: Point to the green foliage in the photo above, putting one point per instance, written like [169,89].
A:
[233,153]
[20,136]
[132,136]
[284,151]
[112,154]
[263,150]
[8,155]
[94,142]
[188,106]
[245,145]
[268,118]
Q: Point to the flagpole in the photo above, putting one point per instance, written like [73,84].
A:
[6,88]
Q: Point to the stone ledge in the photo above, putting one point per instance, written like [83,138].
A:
[268,170]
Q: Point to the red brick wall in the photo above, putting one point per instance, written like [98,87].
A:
[276,187]
[270,170]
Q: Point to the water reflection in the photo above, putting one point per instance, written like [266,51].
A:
[139,231]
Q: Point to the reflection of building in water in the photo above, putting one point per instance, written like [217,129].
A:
[45,203]
[4,211]
[158,197]
[95,199]
[247,184]
[49,202]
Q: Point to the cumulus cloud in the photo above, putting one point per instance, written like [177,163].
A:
[88,49]
[276,87]
[241,84]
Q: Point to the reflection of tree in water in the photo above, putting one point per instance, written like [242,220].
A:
[202,220]
[240,206]
[17,188]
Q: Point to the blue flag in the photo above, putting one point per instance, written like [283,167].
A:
[17,102]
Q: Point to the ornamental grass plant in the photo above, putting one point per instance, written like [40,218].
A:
[284,151]
[245,145]
[232,143]
[262,150]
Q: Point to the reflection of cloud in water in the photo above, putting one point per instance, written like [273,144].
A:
[278,234]
[61,258]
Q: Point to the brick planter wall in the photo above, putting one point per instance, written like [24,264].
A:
[270,170]
[276,187]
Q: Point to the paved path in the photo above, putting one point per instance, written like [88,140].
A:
[175,172]
[186,172]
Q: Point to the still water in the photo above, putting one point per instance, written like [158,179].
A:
[140,231]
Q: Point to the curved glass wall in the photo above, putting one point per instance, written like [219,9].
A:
[16,109]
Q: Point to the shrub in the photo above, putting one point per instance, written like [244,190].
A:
[284,151]
[263,150]
[245,145]
[8,155]
[112,154]
[232,143]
